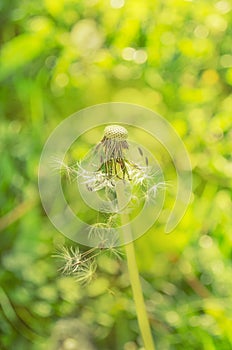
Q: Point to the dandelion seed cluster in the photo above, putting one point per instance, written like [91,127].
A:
[110,165]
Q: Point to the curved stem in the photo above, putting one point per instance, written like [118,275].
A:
[134,273]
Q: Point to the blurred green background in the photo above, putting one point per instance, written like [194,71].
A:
[174,57]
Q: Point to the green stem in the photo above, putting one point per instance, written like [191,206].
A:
[134,273]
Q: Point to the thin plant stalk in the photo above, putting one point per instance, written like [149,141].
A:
[134,273]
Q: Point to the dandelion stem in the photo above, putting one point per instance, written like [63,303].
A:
[134,273]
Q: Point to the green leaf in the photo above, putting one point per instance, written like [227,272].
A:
[18,52]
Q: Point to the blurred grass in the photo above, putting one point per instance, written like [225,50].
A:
[60,56]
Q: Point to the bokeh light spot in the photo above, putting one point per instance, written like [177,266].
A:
[128,53]
[201,31]
[140,56]
[86,36]
[130,346]
[218,267]
[216,23]
[226,61]
[117,4]
[173,317]
[205,242]
[223,201]
[210,77]
[122,72]
[70,344]
[50,61]
[206,279]
[62,80]
[223,6]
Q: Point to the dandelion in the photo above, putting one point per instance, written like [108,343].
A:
[74,261]
[94,181]
[71,258]
[126,184]
[114,144]
[64,169]
[86,272]
[112,250]
[112,165]
[152,191]
[142,175]
[96,230]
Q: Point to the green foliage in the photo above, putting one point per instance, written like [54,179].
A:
[173,57]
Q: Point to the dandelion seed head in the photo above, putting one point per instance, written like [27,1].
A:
[115,132]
